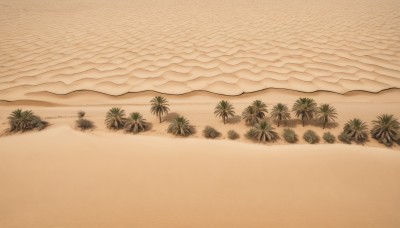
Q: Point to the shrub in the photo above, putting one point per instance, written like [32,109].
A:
[24,121]
[289,135]
[343,137]
[328,137]
[210,132]
[84,124]
[311,137]
[81,114]
[233,135]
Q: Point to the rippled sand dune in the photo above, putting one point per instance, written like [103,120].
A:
[175,47]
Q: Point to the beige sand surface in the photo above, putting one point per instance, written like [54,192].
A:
[70,179]
[178,46]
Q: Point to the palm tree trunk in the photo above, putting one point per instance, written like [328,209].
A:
[223,119]
[302,118]
[278,122]
[323,126]
[160,118]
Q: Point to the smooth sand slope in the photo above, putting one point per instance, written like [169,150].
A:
[177,46]
[71,179]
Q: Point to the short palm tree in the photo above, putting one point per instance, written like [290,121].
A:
[22,120]
[115,118]
[135,123]
[260,108]
[386,129]
[224,109]
[180,126]
[159,106]
[280,112]
[356,130]
[263,132]
[250,115]
[304,107]
[326,113]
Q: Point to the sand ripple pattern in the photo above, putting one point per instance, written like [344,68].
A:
[225,47]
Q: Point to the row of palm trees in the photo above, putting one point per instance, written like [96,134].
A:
[304,108]
[386,129]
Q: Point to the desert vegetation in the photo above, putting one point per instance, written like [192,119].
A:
[82,123]
[159,106]
[289,135]
[262,132]
[135,123]
[386,129]
[233,135]
[354,130]
[180,126]
[115,118]
[21,121]
[280,112]
[329,137]
[211,133]
[326,113]
[304,108]
[224,110]
[311,137]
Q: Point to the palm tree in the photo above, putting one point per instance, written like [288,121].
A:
[224,109]
[25,120]
[159,106]
[356,130]
[304,107]
[250,115]
[386,129]
[180,126]
[326,113]
[263,132]
[135,123]
[115,118]
[260,108]
[280,112]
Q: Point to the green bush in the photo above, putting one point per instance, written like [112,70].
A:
[343,137]
[328,137]
[210,132]
[233,135]
[311,137]
[289,135]
[24,121]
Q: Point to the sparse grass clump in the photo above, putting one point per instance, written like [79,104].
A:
[81,114]
[84,124]
[211,133]
[328,137]
[311,137]
[233,135]
[24,121]
[289,135]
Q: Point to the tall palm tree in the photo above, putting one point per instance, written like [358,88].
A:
[280,112]
[386,129]
[260,108]
[135,123]
[263,132]
[326,113]
[250,115]
[159,106]
[304,107]
[356,130]
[224,109]
[115,118]
[180,126]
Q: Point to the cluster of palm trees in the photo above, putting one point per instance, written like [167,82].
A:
[386,128]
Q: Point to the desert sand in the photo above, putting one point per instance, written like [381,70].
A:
[60,57]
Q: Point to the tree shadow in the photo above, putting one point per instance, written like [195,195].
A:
[234,120]
[170,116]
